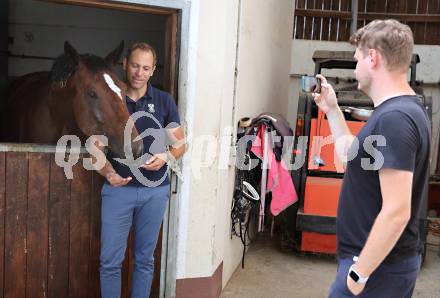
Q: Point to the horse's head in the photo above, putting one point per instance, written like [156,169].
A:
[98,96]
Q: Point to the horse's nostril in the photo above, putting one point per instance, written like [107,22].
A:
[138,149]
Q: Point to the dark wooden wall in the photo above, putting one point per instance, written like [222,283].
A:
[330,19]
[50,230]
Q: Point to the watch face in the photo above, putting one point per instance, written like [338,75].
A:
[354,276]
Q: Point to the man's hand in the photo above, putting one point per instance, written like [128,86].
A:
[354,287]
[326,100]
[115,180]
[156,162]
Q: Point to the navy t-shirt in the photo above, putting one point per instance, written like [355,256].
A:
[161,114]
[405,145]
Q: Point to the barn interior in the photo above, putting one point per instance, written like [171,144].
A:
[33,33]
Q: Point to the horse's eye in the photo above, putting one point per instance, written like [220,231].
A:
[92,93]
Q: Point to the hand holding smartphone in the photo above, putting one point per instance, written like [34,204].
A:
[310,84]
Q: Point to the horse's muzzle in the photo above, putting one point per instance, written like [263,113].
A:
[137,149]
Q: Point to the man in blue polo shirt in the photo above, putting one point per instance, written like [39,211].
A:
[139,198]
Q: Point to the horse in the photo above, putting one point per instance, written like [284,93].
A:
[80,95]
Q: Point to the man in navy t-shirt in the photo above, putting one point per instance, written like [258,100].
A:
[386,172]
[137,195]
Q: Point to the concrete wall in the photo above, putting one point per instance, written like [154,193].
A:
[264,47]
[213,94]
[261,57]
[427,72]
[265,35]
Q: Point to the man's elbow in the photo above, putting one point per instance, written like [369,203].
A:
[399,218]
[403,219]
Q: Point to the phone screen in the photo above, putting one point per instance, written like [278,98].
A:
[310,84]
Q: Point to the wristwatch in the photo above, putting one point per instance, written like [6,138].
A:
[356,277]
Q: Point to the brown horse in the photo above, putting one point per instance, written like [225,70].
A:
[81,95]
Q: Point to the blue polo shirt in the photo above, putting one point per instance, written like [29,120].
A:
[161,113]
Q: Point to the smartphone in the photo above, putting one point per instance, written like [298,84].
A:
[310,84]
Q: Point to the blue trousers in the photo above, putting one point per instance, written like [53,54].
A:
[122,207]
[395,280]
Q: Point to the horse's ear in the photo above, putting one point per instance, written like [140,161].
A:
[71,53]
[114,56]
[64,66]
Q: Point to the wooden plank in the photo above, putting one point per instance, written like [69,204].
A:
[401,6]
[383,6]
[308,27]
[397,6]
[437,170]
[334,21]
[95,234]
[131,260]
[37,224]
[346,15]
[79,232]
[59,204]
[420,29]
[437,35]
[155,285]
[15,225]
[299,23]
[325,32]
[392,6]
[411,8]
[2,219]
[362,8]
[371,5]
[170,71]
[431,36]
[318,21]
[114,6]
[344,25]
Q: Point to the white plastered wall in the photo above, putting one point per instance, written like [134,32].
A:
[265,36]
[262,85]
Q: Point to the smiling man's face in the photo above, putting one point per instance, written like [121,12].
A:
[139,68]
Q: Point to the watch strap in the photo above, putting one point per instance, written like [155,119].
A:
[356,277]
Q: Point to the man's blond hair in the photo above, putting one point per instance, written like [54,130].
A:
[391,38]
[143,46]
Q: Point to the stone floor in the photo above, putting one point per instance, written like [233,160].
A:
[270,273]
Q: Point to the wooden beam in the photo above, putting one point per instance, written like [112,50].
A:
[170,63]
[346,15]
[115,6]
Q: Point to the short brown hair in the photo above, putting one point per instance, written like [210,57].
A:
[143,46]
[391,38]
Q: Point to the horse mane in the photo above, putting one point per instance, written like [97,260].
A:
[64,66]
[95,63]
[62,69]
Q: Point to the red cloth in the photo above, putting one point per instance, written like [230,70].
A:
[279,180]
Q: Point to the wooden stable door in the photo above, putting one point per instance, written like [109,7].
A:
[50,230]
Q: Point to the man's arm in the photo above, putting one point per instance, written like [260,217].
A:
[178,145]
[112,177]
[107,170]
[328,103]
[175,151]
[396,189]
